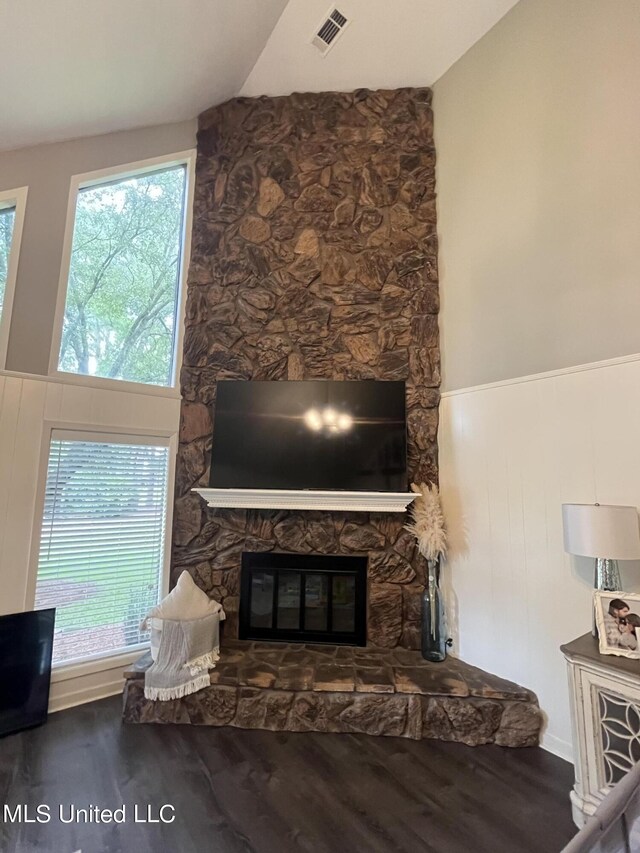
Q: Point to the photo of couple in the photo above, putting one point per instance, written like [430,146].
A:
[617,624]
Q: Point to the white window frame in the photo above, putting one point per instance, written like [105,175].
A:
[11,198]
[114,435]
[91,179]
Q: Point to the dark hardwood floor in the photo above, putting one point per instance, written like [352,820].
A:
[236,790]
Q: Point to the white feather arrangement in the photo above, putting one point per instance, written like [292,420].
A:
[427,523]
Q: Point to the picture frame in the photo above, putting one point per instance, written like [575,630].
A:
[618,622]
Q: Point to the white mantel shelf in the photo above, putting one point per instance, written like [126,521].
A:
[303,499]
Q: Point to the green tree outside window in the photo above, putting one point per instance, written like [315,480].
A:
[7,220]
[122,294]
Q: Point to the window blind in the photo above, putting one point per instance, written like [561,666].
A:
[102,542]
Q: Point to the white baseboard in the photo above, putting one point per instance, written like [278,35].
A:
[81,697]
[89,681]
[557,746]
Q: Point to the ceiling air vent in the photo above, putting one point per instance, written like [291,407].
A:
[329,31]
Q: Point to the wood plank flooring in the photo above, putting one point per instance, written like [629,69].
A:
[238,791]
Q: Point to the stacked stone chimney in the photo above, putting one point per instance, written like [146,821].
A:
[314,256]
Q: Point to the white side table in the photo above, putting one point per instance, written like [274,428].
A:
[605,710]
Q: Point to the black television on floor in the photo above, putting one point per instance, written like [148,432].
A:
[26,646]
[310,435]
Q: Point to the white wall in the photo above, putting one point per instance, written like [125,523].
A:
[510,454]
[537,131]
[29,408]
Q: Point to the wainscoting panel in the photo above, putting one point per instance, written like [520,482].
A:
[510,454]
[28,406]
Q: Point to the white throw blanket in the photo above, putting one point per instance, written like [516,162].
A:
[188,650]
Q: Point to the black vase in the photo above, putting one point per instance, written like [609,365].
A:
[434,633]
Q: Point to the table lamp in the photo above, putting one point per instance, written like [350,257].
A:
[607,533]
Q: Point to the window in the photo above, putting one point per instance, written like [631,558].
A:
[12,206]
[102,544]
[122,291]
[7,222]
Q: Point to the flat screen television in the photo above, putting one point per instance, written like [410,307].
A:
[310,435]
[26,645]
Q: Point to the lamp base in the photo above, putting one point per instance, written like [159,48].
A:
[607,578]
[608,575]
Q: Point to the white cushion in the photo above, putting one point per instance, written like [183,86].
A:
[185,601]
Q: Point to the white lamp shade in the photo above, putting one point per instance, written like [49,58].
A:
[595,530]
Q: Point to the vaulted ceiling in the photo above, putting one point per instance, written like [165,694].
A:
[387,44]
[82,67]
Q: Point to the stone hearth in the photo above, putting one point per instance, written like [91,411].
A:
[375,691]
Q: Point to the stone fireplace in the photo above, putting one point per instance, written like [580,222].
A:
[314,256]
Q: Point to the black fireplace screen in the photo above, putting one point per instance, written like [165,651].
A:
[303,598]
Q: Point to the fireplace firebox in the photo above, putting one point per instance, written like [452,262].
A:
[303,598]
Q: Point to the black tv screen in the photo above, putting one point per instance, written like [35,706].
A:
[335,436]
[26,645]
